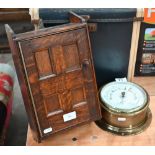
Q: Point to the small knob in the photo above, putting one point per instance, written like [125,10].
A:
[85,63]
[123,94]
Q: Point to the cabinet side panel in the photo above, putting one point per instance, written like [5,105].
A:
[23,84]
[98,115]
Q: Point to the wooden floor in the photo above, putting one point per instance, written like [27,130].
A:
[92,135]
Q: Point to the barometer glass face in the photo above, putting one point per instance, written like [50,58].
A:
[123,96]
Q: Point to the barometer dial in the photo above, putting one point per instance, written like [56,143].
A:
[123,96]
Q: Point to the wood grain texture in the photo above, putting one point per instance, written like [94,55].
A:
[69,63]
[92,135]
[134,44]
[19,19]
[74,18]
[14,14]
[57,63]
[147,82]
[43,63]
[23,84]
[49,31]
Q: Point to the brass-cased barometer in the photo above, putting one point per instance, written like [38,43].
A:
[125,108]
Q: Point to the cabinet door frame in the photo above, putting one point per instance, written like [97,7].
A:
[14,41]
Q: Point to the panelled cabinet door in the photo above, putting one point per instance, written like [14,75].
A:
[60,75]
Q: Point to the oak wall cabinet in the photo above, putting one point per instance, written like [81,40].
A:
[56,75]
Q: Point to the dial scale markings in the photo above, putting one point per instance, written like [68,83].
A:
[124,96]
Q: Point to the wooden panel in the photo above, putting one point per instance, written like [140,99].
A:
[43,63]
[34,86]
[51,104]
[14,14]
[78,95]
[45,39]
[91,99]
[57,121]
[19,19]
[83,46]
[66,101]
[52,85]
[13,9]
[134,44]
[23,85]
[71,57]
[53,30]
[74,79]
[58,59]
[92,135]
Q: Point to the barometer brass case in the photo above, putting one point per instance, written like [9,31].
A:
[123,122]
